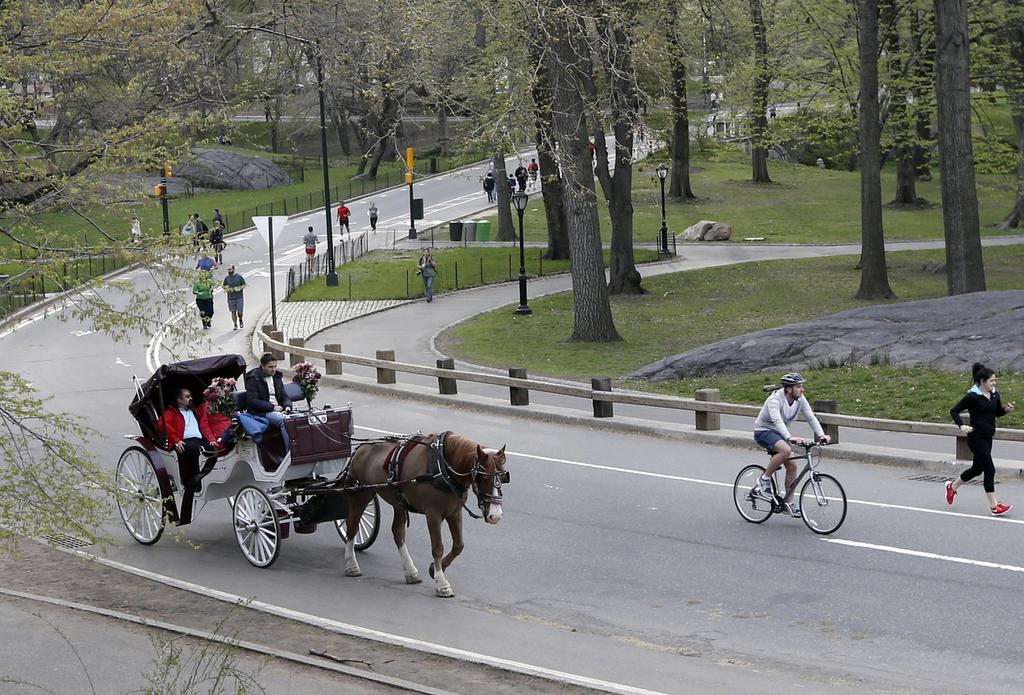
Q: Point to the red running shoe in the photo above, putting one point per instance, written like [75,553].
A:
[1001,509]
[950,492]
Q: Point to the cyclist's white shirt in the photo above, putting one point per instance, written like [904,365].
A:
[777,412]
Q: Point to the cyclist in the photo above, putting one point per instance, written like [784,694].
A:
[770,432]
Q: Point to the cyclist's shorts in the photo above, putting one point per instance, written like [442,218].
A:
[767,439]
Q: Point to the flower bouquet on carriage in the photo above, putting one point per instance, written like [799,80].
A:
[219,396]
[308,378]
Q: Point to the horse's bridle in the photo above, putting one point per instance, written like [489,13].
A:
[478,471]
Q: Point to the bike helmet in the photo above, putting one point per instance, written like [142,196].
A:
[792,379]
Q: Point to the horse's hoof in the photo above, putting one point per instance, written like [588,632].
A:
[413,578]
[430,570]
[446,592]
[353,572]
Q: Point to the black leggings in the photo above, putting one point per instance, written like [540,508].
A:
[981,447]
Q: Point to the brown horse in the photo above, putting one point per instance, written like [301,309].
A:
[437,489]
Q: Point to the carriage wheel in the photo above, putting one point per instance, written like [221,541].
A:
[138,496]
[369,525]
[257,529]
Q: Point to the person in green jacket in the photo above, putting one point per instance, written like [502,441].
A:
[203,290]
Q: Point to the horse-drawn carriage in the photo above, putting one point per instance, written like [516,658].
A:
[271,491]
[320,479]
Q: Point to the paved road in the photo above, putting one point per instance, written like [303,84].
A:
[621,557]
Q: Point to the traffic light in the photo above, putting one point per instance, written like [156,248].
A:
[410,158]
[408,176]
[167,170]
[158,190]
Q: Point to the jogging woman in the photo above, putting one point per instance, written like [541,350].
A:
[983,404]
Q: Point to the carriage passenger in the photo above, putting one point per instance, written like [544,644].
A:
[265,395]
[188,432]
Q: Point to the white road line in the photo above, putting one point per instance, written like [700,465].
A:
[369,633]
[716,483]
[930,556]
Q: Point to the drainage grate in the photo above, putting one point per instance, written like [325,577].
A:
[941,479]
[66,541]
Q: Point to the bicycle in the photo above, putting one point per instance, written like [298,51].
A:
[822,499]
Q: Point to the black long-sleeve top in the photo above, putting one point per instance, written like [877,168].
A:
[983,411]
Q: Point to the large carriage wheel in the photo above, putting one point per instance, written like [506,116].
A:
[257,529]
[138,496]
[369,525]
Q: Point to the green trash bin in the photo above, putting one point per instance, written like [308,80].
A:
[483,230]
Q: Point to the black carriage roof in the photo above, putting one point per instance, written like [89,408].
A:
[203,369]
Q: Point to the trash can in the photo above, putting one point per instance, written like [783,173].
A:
[455,230]
[483,230]
[469,229]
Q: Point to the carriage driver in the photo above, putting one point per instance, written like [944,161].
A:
[265,395]
[188,433]
[770,432]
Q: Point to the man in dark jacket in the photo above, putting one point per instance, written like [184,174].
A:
[263,400]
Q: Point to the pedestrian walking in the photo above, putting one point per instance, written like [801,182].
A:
[521,176]
[533,169]
[373,216]
[217,241]
[187,229]
[136,229]
[234,286]
[511,184]
[310,242]
[489,185]
[203,290]
[427,267]
[200,230]
[343,214]
[984,405]
[217,217]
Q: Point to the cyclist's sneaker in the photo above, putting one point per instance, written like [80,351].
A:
[1001,509]
[764,486]
[950,492]
[794,511]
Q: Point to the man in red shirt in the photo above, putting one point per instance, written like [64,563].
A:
[188,433]
[343,215]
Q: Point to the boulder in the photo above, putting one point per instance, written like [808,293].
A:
[233,171]
[696,232]
[719,231]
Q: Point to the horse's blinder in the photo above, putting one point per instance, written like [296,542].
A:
[480,472]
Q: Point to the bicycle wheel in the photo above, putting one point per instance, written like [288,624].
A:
[751,505]
[823,503]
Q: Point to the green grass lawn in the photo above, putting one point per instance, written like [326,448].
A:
[694,308]
[392,274]
[803,205]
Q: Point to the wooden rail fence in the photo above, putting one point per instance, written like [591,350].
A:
[707,405]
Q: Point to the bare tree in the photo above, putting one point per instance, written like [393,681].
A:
[680,185]
[759,94]
[965,270]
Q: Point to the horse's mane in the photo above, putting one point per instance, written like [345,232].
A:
[461,452]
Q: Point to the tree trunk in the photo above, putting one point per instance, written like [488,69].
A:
[900,117]
[592,312]
[551,181]
[275,127]
[340,124]
[680,184]
[759,94]
[506,231]
[1015,93]
[387,127]
[442,124]
[480,36]
[874,278]
[922,73]
[965,270]
[623,277]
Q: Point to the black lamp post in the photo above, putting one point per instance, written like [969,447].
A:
[662,175]
[519,200]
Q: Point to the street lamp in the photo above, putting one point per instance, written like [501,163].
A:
[662,175]
[332,275]
[519,200]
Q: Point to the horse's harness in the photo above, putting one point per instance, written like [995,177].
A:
[439,473]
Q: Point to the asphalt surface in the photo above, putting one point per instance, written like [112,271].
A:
[621,558]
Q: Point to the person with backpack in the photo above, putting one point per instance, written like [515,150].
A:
[489,185]
[521,175]
[217,241]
